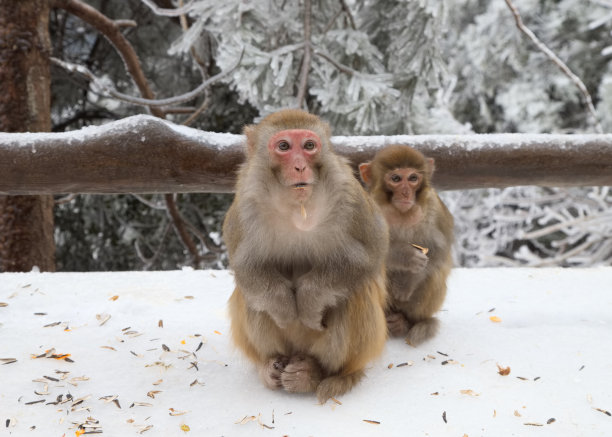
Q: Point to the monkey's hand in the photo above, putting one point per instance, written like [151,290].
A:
[406,257]
[282,306]
[312,300]
[397,324]
[418,262]
[274,296]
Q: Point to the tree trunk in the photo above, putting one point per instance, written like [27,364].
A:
[26,222]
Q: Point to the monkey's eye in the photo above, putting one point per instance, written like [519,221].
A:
[283,145]
[396,178]
[309,145]
[413,177]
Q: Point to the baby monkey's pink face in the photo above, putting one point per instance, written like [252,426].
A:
[295,152]
[403,184]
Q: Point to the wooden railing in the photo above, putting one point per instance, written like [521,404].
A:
[144,154]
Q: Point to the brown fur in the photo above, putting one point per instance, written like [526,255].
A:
[416,282]
[308,308]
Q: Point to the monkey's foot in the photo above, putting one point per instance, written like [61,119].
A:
[397,324]
[337,385]
[422,331]
[302,374]
[271,371]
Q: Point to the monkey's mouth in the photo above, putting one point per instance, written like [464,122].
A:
[301,185]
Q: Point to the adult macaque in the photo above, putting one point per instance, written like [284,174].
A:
[421,235]
[307,246]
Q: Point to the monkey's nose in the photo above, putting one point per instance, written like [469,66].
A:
[300,169]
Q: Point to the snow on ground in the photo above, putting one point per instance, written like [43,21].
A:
[150,353]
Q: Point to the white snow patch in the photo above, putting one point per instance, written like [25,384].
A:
[553,328]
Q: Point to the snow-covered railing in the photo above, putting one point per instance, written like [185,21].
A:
[144,154]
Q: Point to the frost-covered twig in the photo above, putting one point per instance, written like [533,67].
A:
[112,92]
[558,260]
[343,68]
[111,31]
[170,12]
[179,226]
[156,205]
[126,23]
[307,54]
[65,199]
[579,221]
[346,9]
[557,61]
[202,67]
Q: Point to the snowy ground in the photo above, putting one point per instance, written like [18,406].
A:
[150,353]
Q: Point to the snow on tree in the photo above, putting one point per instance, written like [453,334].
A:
[407,67]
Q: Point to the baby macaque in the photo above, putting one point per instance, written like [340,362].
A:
[421,236]
[307,246]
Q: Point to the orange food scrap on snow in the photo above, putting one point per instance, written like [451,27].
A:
[115,297]
[218,333]
[185,428]
[79,432]
[503,371]
[495,319]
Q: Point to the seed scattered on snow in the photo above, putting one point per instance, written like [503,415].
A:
[245,419]
[103,318]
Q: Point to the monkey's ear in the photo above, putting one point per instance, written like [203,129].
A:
[431,166]
[365,171]
[249,132]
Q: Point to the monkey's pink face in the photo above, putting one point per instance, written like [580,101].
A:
[403,184]
[295,152]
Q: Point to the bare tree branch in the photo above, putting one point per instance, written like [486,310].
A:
[346,9]
[201,63]
[302,89]
[195,114]
[112,32]
[343,68]
[557,61]
[179,226]
[182,10]
[153,103]
[332,21]
[343,8]
[125,23]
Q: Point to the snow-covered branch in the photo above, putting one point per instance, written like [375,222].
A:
[557,61]
[111,91]
[144,154]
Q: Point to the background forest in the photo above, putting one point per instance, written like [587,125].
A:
[371,68]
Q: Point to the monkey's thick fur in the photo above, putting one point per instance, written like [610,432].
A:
[416,282]
[308,307]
